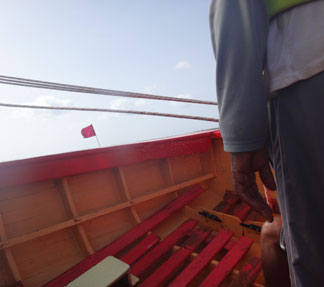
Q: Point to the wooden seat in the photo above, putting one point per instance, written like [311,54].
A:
[196,237]
[156,262]
[187,274]
[141,248]
[128,237]
[202,260]
[106,273]
[165,245]
[227,264]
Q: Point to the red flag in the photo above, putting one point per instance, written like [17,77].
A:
[88,132]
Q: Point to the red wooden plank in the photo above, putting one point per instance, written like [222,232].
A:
[233,199]
[248,273]
[202,260]
[224,207]
[166,269]
[228,245]
[165,245]
[241,210]
[127,238]
[209,238]
[229,200]
[140,249]
[162,273]
[227,264]
[195,238]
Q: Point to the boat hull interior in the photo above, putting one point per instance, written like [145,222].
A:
[58,211]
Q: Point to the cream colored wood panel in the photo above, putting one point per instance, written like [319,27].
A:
[144,178]
[95,191]
[150,207]
[207,161]
[105,229]
[186,167]
[42,259]
[31,207]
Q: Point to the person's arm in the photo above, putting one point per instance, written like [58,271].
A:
[239,30]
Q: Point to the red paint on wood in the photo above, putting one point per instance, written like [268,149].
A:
[241,210]
[73,163]
[165,245]
[127,238]
[162,273]
[209,238]
[248,273]
[197,236]
[216,134]
[227,246]
[227,264]
[233,200]
[202,260]
[223,207]
[229,200]
[140,249]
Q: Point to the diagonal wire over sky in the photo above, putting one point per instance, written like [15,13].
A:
[81,89]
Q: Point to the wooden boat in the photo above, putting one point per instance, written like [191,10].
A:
[163,207]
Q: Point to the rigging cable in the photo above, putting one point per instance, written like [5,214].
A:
[109,111]
[82,89]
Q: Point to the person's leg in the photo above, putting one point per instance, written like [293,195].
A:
[297,135]
[274,259]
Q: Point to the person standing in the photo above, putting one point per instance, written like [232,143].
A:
[270,90]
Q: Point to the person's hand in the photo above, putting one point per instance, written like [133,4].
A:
[244,165]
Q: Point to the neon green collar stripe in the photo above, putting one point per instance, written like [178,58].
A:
[277,6]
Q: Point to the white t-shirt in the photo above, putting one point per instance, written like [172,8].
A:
[296,45]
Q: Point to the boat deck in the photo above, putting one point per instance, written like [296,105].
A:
[190,255]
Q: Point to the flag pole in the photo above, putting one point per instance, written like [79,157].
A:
[98,141]
[96,136]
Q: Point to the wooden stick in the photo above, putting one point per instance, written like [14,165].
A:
[81,232]
[170,171]
[212,155]
[8,253]
[127,194]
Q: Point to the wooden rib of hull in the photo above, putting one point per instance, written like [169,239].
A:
[56,211]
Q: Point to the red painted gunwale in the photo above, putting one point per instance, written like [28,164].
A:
[66,164]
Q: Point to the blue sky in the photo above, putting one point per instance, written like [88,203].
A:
[158,47]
